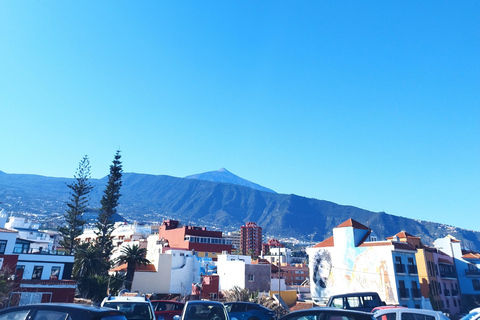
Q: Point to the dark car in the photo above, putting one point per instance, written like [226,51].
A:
[167,309]
[203,310]
[60,311]
[248,311]
[360,301]
[324,313]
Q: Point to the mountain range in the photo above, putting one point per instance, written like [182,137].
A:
[225,205]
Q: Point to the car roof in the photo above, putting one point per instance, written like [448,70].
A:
[167,301]
[355,294]
[331,309]
[204,302]
[126,298]
[71,306]
[414,310]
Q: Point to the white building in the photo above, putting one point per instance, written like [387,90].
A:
[171,271]
[39,241]
[282,254]
[238,271]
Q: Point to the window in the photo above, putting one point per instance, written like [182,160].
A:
[16,315]
[51,315]
[476,284]
[37,272]
[250,277]
[55,273]
[213,296]
[3,246]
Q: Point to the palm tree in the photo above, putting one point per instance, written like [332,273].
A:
[133,256]
[87,262]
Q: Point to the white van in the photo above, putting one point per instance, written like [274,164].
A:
[408,314]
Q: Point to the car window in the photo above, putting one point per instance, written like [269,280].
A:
[416,316]
[51,315]
[15,315]
[353,302]
[237,307]
[302,316]
[388,316]
[133,310]
[339,317]
[173,306]
[337,302]
[114,317]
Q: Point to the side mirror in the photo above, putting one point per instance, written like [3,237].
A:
[176,317]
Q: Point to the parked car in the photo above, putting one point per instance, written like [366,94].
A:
[167,309]
[55,311]
[325,313]
[360,301]
[248,311]
[203,310]
[474,314]
[385,307]
[409,314]
[135,307]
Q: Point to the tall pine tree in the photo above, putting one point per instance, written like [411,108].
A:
[105,222]
[76,207]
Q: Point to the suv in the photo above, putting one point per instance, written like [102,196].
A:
[135,307]
[248,311]
[51,311]
[409,314]
[360,301]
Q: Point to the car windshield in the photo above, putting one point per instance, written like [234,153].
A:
[204,311]
[133,310]
[471,316]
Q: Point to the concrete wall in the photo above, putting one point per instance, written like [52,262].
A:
[261,277]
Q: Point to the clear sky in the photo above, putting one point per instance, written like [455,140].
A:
[374,104]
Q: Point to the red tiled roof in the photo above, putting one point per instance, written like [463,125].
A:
[325,243]
[141,268]
[471,255]
[376,244]
[352,223]
[404,234]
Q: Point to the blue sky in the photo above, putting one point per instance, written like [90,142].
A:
[374,104]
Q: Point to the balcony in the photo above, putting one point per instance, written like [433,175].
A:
[416,293]
[403,293]
[472,272]
[400,268]
[412,269]
[447,274]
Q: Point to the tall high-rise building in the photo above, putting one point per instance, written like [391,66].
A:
[251,239]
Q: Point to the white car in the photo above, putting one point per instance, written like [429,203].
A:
[135,307]
[474,314]
[409,314]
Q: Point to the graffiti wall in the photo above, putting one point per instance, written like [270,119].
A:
[351,269]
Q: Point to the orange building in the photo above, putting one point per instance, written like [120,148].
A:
[205,242]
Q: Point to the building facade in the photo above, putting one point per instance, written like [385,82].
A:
[204,242]
[251,239]
[349,262]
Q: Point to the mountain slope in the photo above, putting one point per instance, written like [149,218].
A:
[150,198]
[225,176]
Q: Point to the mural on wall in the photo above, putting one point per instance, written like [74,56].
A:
[321,272]
[351,270]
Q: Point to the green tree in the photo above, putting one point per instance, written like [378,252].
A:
[105,221]
[133,256]
[87,262]
[77,205]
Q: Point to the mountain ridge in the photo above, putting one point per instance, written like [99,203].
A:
[152,198]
